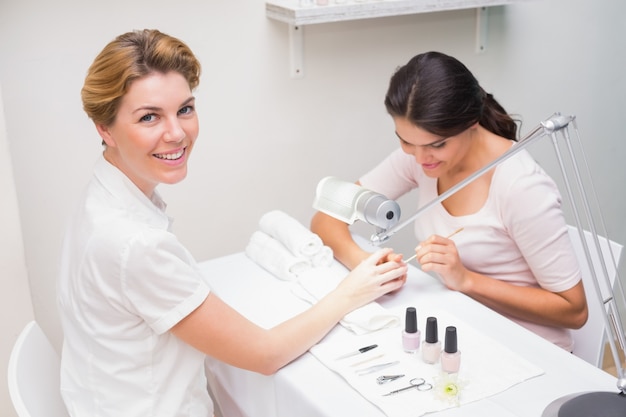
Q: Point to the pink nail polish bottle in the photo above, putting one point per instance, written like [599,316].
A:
[431,348]
[411,335]
[451,355]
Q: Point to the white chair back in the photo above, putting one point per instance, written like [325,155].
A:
[34,375]
[589,340]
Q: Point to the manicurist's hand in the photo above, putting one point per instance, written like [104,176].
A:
[372,278]
[439,254]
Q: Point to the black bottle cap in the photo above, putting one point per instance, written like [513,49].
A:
[431,330]
[450,344]
[410,324]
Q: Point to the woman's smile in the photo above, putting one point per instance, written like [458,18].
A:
[171,156]
[431,166]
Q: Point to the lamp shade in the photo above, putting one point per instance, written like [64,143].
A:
[348,202]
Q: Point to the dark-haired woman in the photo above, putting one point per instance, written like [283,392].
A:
[514,254]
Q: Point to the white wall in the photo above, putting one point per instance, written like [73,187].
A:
[15,297]
[266,139]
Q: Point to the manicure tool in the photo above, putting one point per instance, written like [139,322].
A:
[368,359]
[447,237]
[375,368]
[383,379]
[356,352]
[418,383]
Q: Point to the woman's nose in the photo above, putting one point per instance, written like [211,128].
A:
[174,131]
[420,154]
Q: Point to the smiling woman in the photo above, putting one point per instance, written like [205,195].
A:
[138,92]
[154,131]
[138,317]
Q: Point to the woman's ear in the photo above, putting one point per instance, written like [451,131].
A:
[105,134]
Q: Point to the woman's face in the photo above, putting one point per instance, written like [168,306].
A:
[436,154]
[154,131]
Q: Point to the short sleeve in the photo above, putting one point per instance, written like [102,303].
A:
[532,213]
[160,279]
[395,176]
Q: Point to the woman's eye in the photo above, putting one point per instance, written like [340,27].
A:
[438,145]
[186,110]
[148,117]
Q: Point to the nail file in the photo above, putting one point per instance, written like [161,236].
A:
[448,237]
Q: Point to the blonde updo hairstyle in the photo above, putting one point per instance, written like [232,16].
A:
[127,58]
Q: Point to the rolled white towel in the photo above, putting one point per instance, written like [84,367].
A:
[315,283]
[291,233]
[275,258]
[324,257]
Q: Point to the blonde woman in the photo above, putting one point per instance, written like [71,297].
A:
[138,318]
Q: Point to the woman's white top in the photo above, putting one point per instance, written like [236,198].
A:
[125,281]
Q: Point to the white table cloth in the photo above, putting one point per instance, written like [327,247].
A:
[307,388]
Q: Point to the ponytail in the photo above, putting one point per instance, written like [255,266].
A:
[496,120]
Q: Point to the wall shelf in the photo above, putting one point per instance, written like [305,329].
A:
[290,11]
[296,16]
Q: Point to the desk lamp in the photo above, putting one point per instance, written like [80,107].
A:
[590,404]
[350,202]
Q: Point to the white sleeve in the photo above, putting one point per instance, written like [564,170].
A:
[160,280]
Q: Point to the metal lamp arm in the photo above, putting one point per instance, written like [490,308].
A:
[556,122]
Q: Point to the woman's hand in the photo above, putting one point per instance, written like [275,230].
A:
[439,254]
[379,274]
[538,305]
[395,257]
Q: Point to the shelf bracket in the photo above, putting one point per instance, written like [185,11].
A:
[482,29]
[296,41]
[296,53]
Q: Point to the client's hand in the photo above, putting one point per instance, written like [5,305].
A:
[397,257]
[375,276]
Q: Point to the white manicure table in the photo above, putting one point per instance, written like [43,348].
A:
[307,388]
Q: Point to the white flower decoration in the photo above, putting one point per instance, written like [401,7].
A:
[448,388]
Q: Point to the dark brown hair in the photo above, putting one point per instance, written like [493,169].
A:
[439,94]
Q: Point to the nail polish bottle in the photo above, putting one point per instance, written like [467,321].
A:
[431,349]
[411,335]
[451,355]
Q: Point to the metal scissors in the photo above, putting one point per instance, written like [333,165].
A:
[416,383]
